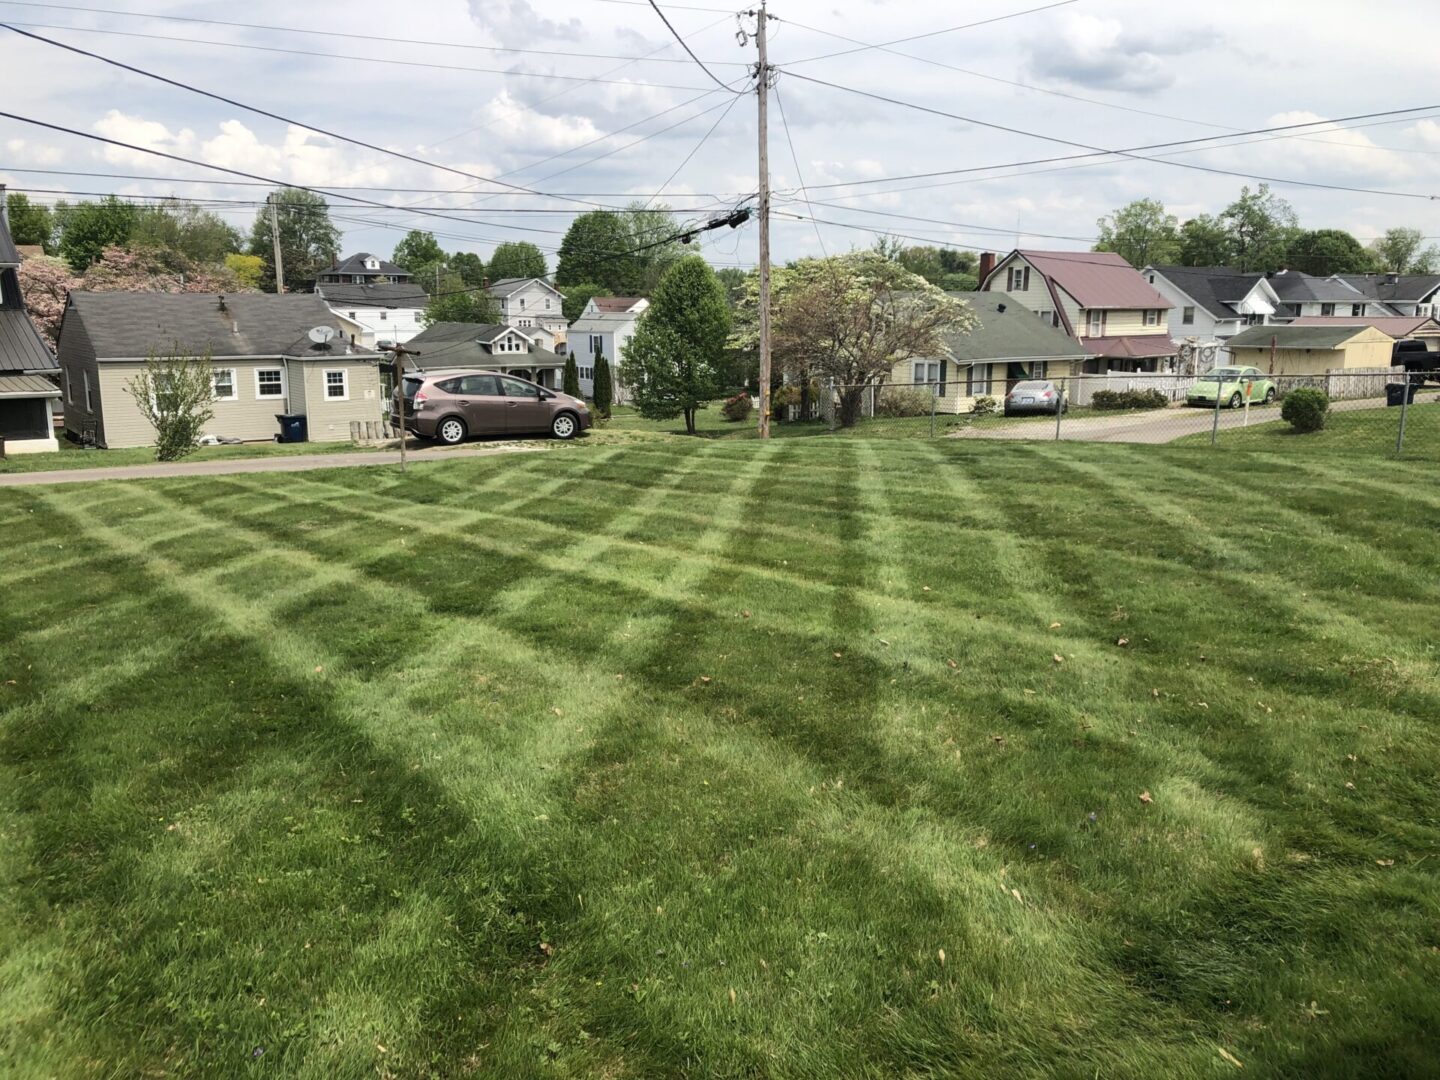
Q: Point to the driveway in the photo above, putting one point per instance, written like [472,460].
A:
[1153,426]
[232,466]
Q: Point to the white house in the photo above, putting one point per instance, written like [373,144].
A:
[530,302]
[1213,303]
[1306,295]
[372,315]
[1403,294]
[607,324]
[362,269]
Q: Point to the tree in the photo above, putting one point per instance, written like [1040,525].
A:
[604,391]
[577,296]
[30,223]
[517,259]
[733,279]
[417,251]
[852,318]
[596,248]
[1142,233]
[1204,242]
[1398,252]
[1259,225]
[651,231]
[175,393]
[308,238]
[570,383]
[46,283]
[88,228]
[149,270]
[1323,252]
[672,364]
[469,266]
[249,270]
[454,301]
[174,225]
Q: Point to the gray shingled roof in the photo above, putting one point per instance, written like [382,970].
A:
[130,325]
[1405,288]
[1214,288]
[395,294]
[457,344]
[1294,287]
[1296,337]
[506,286]
[355,264]
[1016,333]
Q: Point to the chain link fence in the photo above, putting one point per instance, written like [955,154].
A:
[1374,411]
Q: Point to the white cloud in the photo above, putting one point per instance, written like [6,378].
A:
[150,134]
[1085,50]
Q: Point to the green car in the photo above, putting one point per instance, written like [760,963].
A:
[1232,386]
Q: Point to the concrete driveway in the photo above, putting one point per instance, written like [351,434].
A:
[1152,426]
[232,466]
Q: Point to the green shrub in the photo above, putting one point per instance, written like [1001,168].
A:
[904,401]
[785,397]
[1305,408]
[738,407]
[985,406]
[1128,399]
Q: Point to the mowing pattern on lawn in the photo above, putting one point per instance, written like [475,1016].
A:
[814,758]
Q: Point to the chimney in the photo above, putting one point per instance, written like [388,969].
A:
[987,266]
[1390,279]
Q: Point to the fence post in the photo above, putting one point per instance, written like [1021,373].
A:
[934,399]
[1404,408]
[831,405]
[1059,410]
[1215,425]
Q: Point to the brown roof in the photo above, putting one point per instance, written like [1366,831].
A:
[1397,327]
[1096,279]
[615,304]
[1135,348]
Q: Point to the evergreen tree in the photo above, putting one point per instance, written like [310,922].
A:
[604,386]
[571,382]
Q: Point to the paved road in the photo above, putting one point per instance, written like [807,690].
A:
[1153,426]
[230,466]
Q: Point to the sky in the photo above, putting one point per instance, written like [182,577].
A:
[605,107]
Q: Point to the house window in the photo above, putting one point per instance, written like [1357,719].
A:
[547,303]
[925,371]
[269,383]
[1187,316]
[337,385]
[1357,309]
[222,381]
[1327,309]
[1255,318]
[89,404]
[597,344]
[1038,368]
[977,380]
[1152,317]
[65,378]
[1017,279]
[382,316]
[1047,314]
[1095,324]
[522,303]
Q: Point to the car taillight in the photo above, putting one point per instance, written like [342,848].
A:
[1048,395]
[420,397]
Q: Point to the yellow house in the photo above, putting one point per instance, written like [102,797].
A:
[1095,296]
[1010,343]
[1312,350]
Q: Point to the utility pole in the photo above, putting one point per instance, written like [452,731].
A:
[398,353]
[275,239]
[762,90]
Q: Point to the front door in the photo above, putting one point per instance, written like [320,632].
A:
[524,409]
[482,403]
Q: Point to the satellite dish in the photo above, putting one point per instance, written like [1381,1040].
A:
[322,335]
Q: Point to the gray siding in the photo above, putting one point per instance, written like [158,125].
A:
[76,358]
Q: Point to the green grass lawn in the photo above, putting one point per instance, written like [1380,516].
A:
[1367,432]
[71,456]
[817,758]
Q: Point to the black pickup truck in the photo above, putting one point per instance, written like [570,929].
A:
[1418,361]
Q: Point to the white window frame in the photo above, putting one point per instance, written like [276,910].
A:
[1095,323]
[234,394]
[344,374]
[1327,310]
[69,387]
[1187,316]
[261,396]
[1357,310]
[920,371]
[1152,316]
[89,403]
[977,385]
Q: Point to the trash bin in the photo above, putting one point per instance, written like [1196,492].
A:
[292,427]
[1400,393]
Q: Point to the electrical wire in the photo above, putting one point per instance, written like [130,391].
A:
[804,192]
[686,46]
[694,150]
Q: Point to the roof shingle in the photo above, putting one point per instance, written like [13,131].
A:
[1096,279]
[1016,333]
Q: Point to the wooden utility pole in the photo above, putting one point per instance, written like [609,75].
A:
[275,239]
[762,90]
[398,353]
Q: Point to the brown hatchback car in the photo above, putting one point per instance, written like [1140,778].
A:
[451,406]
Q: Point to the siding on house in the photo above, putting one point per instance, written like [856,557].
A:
[1371,349]
[77,362]
[329,418]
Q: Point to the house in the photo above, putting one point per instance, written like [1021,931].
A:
[1313,350]
[266,362]
[530,302]
[27,367]
[1010,344]
[1304,294]
[362,269]
[607,324]
[1095,296]
[1402,294]
[1213,303]
[374,314]
[506,349]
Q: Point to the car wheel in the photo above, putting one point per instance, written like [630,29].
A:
[1236,400]
[564,426]
[1270,396]
[451,431]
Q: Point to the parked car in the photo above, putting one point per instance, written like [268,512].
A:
[1035,396]
[451,406]
[1232,386]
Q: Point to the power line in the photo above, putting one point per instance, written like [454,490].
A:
[383,39]
[916,37]
[686,46]
[804,192]
[694,150]
[311,54]
[1095,151]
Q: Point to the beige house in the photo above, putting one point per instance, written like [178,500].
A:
[1312,350]
[1095,296]
[268,352]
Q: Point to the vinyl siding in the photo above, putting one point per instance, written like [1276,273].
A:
[955,398]
[329,420]
[76,357]
[249,417]
[1123,322]
[1357,353]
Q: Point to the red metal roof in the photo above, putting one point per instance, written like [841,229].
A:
[1133,348]
[1096,279]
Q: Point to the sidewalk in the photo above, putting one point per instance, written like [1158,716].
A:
[231,466]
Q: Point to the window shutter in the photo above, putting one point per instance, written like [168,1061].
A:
[942,376]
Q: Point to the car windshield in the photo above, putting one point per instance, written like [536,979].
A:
[1224,373]
[1029,387]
